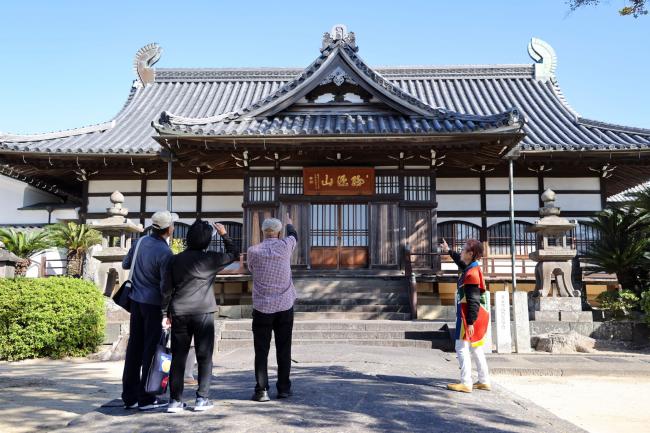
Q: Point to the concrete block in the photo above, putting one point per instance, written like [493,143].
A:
[230,311]
[576,316]
[246,311]
[436,312]
[546,316]
[558,304]
[522,328]
[582,328]
[539,328]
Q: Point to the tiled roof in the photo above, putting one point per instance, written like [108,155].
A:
[628,194]
[482,90]
[305,124]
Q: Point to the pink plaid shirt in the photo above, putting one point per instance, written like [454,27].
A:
[270,264]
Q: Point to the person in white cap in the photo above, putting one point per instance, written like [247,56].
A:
[145,326]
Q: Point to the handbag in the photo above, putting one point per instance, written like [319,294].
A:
[158,377]
[121,297]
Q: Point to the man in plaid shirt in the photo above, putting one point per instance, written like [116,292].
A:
[273,296]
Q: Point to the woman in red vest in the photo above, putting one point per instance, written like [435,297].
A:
[472,317]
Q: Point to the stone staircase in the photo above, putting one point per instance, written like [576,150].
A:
[236,334]
[366,310]
[351,298]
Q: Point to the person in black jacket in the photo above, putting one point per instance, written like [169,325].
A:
[188,307]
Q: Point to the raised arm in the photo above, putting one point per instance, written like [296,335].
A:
[444,247]
[231,252]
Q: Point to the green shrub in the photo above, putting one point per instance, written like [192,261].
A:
[645,305]
[618,303]
[49,317]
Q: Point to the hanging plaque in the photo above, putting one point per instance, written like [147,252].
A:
[339,181]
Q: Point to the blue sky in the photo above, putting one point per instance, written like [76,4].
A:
[67,64]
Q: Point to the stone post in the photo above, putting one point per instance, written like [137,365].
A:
[502,318]
[522,325]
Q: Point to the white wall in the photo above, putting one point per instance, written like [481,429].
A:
[16,194]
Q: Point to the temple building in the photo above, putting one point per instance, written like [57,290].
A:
[366,160]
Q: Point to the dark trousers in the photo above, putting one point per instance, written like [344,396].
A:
[280,324]
[145,328]
[201,327]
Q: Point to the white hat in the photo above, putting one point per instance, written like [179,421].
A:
[163,219]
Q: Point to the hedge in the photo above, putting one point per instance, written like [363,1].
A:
[49,317]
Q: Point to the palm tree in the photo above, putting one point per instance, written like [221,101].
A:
[24,244]
[77,238]
[622,246]
[641,199]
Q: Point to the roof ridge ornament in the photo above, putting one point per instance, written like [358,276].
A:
[545,59]
[145,58]
[339,35]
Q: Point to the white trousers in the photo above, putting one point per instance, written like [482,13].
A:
[465,352]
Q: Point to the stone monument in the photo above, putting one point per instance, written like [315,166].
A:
[554,298]
[117,231]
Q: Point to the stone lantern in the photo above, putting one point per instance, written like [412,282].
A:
[8,262]
[554,298]
[117,231]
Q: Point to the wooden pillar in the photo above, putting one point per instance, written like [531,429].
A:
[199,195]
[83,211]
[143,199]
[483,232]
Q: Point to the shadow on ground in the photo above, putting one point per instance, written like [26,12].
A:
[335,399]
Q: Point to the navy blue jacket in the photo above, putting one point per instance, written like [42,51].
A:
[150,269]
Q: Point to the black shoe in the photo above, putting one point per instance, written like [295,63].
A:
[153,405]
[285,394]
[131,406]
[261,396]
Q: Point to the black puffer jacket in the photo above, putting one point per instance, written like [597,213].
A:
[190,278]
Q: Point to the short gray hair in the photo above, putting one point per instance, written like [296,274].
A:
[272,225]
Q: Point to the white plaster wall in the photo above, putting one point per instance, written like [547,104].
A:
[501,183]
[179,203]
[16,194]
[100,204]
[502,202]
[458,183]
[586,183]
[65,214]
[178,185]
[210,185]
[459,202]
[494,220]
[476,221]
[108,186]
[53,254]
[218,203]
[578,202]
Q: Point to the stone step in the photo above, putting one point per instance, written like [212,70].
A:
[354,299]
[331,315]
[346,335]
[228,345]
[352,308]
[349,325]
[348,284]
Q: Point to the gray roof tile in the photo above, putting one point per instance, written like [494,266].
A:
[473,90]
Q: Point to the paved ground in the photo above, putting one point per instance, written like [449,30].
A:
[597,404]
[337,389]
